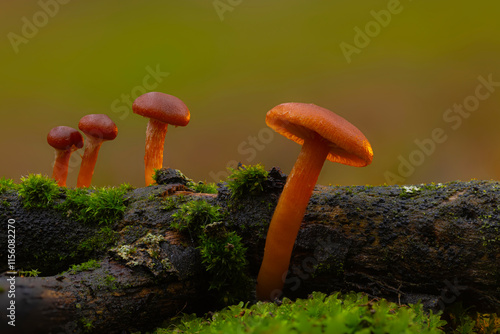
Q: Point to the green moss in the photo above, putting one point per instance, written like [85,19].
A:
[110,282]
[105,206]
[203,187]
[86,324]
[222,252]
[38,191]
[172,202]
[223,255]
[247,180]
[169,204]
[85,266]
[126,187]
[98,243]
[102,206]
[351,313]
[28,273]
[6,184]
[194,215]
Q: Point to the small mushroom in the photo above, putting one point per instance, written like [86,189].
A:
[65,140]
[161,109]
[323,136]
[98,128]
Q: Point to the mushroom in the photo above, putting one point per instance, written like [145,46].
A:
[98,128]
[323,135]
[161,109]
[65,140]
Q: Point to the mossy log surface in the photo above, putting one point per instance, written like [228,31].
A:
[435,243]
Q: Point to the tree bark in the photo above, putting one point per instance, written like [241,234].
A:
[435,243]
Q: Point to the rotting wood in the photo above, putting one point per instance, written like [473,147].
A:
[439,243]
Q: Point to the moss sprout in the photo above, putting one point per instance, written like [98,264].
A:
[38,191]
[101,206]
[106,206]
[85,266]
[194,215]
[6,184]
[223,255]
[29,273]
[222,252]
[247,180]
[203,187]
[172,202]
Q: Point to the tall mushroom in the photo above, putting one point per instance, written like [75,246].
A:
[65,140]
[323,135]
[161,109]
[98,128]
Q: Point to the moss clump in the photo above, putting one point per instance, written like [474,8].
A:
[247,180]
[194,215]
[38,191]
[29,273]
[102,206]
[352,313]
[85,266]
[222,252]
[6,184]
[86,325]
[203,187]
[75,202]
[105,206]
[223,255]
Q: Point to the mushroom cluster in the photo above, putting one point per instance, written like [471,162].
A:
[323,135]
[161,109]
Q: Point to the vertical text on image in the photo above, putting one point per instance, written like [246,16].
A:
[11,262]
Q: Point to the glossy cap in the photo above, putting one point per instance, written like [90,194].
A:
[298,121]
[162,107]
[64,138]
[99,126]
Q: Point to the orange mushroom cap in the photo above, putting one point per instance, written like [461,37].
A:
[297,121]
[99,126]
[64,138]
[162,107]
[323,136]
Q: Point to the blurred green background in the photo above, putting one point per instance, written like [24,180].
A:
[231,61]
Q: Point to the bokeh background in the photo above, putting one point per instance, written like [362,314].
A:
[231,61]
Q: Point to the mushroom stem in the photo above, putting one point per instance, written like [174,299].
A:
[88,161]
[288,216]
[60,171]
[155,140]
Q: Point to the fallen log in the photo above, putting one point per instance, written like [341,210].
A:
[438,243]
